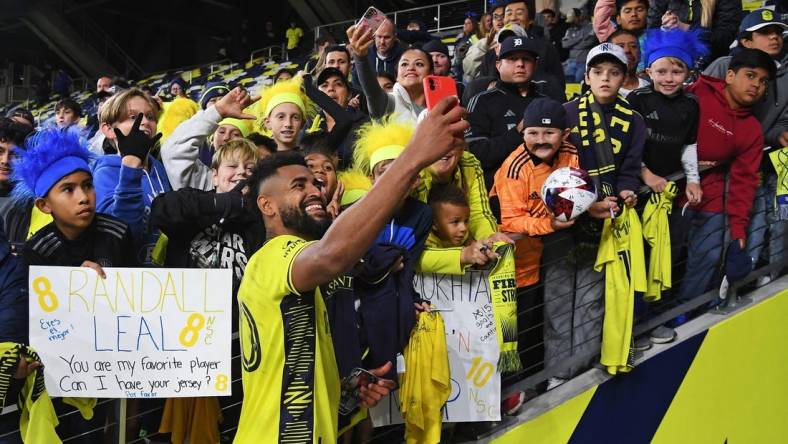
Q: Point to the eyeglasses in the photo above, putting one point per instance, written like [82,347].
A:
[497,16]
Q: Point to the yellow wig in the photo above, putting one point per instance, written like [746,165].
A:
[379,141]
[176,112]
[286,91]
[356,183]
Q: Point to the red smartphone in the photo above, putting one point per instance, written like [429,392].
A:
[438,87]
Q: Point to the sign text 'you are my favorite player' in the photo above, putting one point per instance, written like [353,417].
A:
[139,333]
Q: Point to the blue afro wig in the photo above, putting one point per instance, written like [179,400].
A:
[48,156]
[683,45]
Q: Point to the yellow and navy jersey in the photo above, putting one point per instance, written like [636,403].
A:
[290,377]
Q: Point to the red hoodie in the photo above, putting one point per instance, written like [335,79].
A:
[732,138]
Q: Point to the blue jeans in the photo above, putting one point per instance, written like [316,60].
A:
[705,234]
[765,229]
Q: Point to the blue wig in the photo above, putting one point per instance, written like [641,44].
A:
[48,156]
[683,45]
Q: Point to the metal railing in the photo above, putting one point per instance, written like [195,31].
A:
[115,418]
[438,18]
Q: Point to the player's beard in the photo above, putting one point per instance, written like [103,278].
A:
[296,219]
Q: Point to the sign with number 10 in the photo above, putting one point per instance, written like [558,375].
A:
[139,333]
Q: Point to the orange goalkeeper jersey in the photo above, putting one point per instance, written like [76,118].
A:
[518,185]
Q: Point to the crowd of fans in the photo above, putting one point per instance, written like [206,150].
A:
[339,170]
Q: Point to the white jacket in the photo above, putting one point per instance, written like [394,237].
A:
[181,151]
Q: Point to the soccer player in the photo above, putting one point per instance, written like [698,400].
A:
[291,385]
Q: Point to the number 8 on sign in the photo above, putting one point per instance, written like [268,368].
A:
[46,298]
[191,330]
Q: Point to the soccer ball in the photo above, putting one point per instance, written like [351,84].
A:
[568,192]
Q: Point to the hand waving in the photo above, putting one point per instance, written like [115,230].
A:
[234,103]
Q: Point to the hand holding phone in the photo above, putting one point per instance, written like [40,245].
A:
[349,399]
[437,88]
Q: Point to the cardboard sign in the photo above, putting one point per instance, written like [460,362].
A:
[466,308]
[139,333]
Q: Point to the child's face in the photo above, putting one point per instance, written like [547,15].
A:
[134,107]
[605,79]
[746,86]
[225,133]
[230,172]
[768,39]
[325,172]
[285,122]
[65,117]
[543,142]
[71,202]
[451,223]
[668,76]
[380,168]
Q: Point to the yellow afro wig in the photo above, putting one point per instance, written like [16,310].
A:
[356,183]
[379,141]
[286,91]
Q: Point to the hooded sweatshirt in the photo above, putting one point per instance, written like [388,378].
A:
[127,193]
[733,139]
[381,103]
[772,110]
[182,151]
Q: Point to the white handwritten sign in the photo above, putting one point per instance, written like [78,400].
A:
[139,333]
[467,312]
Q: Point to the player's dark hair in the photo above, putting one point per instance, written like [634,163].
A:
[753,58]
[339,48]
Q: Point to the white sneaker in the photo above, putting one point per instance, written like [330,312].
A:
[763,280]
[555,382]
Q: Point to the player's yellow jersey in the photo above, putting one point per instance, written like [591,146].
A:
[290,377]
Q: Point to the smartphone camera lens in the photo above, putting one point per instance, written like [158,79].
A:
[432,84]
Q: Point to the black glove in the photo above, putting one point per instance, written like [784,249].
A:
[136,143]
[231,203]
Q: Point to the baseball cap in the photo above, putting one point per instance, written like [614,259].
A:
[512,29]
[758,19]
[329,72]
[518,44]
[544,112]
[610,51]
